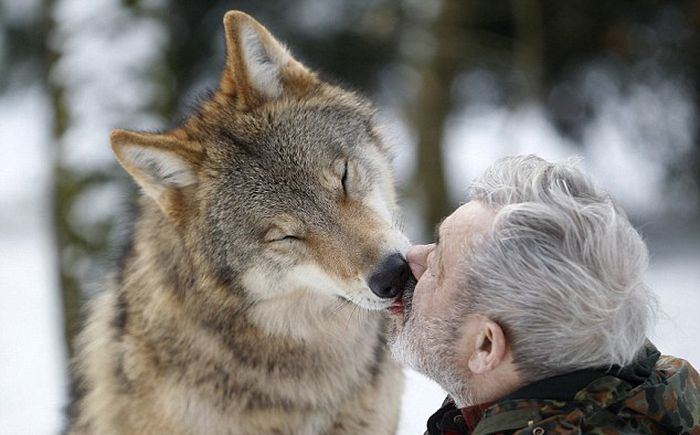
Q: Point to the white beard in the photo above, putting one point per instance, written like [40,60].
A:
[427,346]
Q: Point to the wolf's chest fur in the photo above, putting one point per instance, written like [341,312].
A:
[244,305]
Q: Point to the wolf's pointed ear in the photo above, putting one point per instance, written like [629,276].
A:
[258,67]
[159,162]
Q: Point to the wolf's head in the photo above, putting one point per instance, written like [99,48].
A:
[280,181]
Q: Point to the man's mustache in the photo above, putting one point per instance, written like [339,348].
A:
[407,296]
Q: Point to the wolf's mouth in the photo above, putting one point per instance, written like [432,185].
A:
[404,301]
[396,308]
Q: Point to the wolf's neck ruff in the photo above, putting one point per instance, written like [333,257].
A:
[178,282]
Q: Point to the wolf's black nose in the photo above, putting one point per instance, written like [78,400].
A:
[389,279]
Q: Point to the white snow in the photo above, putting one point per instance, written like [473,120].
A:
[676,281]
[32,357]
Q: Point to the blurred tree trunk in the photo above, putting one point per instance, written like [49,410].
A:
[528,49]
[433,104]
[695,65]
[80,249]
[62,191]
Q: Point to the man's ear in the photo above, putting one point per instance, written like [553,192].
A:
[159,162]
[258,67]
[489,347]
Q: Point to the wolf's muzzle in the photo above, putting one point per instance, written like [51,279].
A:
[390,277]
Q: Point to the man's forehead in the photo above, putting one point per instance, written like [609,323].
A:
[471,217]
[438,230]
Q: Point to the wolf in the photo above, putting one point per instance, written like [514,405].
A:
[252,297]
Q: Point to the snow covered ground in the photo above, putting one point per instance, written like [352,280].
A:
[32,359]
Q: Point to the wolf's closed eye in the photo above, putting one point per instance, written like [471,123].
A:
[288,237]
[277,234]
[344,178]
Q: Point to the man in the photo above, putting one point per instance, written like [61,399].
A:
[531,311]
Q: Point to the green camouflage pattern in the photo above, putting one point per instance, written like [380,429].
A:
[667,401]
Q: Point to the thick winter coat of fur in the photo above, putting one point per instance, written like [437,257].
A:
[241,305]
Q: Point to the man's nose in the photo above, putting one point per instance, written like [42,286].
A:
[390,278]
[417,257]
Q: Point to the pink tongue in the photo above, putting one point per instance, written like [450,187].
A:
[396,309]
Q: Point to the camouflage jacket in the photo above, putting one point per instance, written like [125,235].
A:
[654,395]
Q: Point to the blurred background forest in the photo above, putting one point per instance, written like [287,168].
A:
[458,83]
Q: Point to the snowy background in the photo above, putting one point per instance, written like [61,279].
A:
[105,68]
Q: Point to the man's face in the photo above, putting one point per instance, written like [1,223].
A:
[424,325]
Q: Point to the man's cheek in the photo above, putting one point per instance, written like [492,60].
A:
[421,295]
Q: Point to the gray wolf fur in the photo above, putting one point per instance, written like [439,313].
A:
[242,305]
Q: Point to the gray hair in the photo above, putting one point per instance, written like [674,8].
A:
[561,271]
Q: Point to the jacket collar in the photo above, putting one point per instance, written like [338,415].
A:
[450,420]
[564,387]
